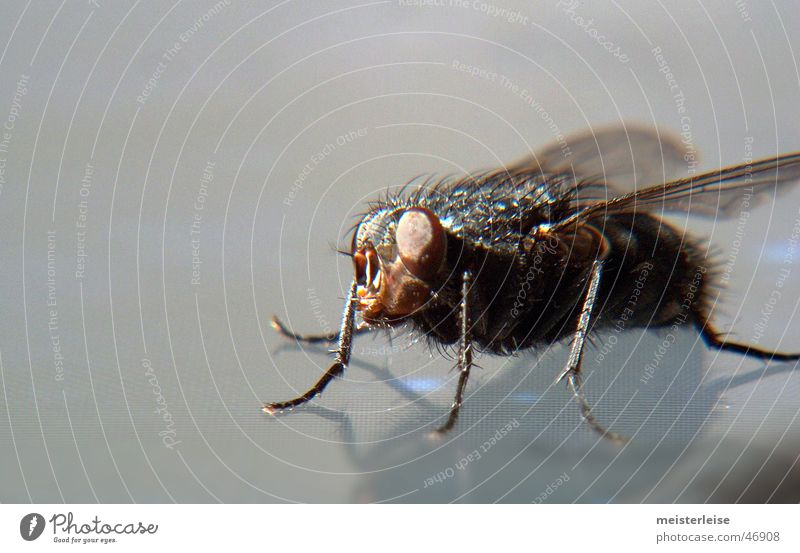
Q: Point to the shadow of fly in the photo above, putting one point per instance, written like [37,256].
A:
[547,250]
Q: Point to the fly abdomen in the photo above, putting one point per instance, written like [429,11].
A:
[653,275]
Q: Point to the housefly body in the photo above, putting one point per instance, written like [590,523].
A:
[547,250]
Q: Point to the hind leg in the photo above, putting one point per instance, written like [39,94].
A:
[713,340]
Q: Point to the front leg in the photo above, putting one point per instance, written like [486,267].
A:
[284,330]
[339,365]
[464,351]
[572,370]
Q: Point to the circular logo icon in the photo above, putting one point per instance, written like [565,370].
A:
[31,526]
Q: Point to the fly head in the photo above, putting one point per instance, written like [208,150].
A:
[397,255]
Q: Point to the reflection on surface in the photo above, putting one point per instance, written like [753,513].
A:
[520,439]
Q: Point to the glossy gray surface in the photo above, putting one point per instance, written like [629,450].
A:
[173,174]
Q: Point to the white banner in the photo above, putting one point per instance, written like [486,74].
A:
[399,527]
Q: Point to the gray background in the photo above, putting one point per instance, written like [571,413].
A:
[252,95]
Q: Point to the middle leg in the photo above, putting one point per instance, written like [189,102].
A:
[464,352]
[572,370]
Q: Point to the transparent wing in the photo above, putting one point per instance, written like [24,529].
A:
[719,192]
[625,157]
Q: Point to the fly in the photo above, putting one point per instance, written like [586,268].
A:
[548,250]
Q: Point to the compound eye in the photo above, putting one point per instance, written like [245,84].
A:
[421,242]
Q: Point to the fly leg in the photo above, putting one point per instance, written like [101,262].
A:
[712,339]
[464,352]
[284,330]
[572,371]
[339,365]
